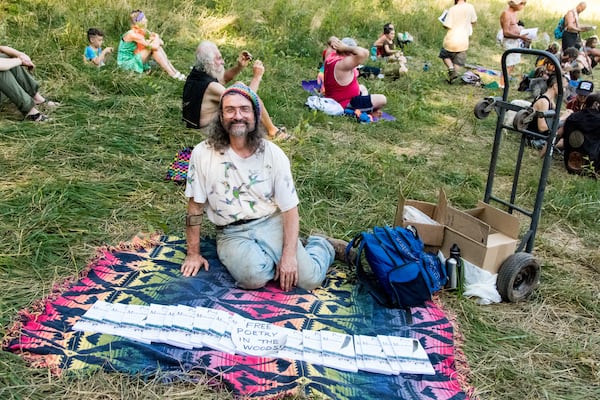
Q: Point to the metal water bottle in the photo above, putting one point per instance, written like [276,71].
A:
[426,67]
[455,255]
[452,273]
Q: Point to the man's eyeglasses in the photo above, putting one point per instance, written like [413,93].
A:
[231,111]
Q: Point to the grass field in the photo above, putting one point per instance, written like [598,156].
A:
[94,174]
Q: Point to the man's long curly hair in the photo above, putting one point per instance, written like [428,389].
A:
[218,137]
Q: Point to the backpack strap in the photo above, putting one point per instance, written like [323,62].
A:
[380,296]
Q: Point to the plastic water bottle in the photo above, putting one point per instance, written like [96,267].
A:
[426,66]
[373,53]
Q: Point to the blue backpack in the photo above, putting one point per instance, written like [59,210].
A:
[402,273]
[560,28]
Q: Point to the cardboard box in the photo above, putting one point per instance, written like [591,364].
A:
[431,234]
[486,235]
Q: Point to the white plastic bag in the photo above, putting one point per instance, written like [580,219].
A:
[481,284]
[500,36]
[324,104]
[478,283]
[413,214]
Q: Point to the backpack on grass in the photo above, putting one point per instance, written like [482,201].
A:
[402,273]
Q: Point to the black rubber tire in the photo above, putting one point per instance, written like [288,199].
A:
[483,108]
[522,119]
[518,277]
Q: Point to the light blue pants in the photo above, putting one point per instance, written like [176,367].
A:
[251,251]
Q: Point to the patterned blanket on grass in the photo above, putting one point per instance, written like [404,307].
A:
[147,271]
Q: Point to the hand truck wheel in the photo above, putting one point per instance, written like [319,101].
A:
[523,118]
[518,277]
[484,107]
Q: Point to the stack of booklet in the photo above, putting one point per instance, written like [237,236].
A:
[195,327]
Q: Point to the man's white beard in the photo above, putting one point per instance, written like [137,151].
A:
[216,72]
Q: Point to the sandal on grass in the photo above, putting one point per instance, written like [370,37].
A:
[37,117]
[281,134]
[49,104]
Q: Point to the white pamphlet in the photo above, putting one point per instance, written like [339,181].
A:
[293,347]
[531,33]
[412,356]
[373,357]
[155,322]
[97,311]
[338,351]
[442,17]
[391,356]
[311,352]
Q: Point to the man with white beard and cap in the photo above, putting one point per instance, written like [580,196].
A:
[206,83]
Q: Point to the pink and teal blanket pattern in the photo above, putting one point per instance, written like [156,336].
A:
[147,271]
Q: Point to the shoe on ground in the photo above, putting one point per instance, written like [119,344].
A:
[48,104]
[557,154]
[37,117]
[537,144]
[452,76]
[339,247]
[281,135]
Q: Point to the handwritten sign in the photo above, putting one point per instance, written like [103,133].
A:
[258,338]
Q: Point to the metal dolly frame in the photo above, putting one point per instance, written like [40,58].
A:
[519,274]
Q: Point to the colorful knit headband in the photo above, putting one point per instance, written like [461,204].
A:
[248,93]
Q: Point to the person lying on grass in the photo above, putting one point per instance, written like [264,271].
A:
[245,185]
[206,83]
[18,85]
[139,45]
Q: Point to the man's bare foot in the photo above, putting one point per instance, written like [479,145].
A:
[281,134]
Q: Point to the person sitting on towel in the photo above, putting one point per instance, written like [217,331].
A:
[342,57]
[245,185]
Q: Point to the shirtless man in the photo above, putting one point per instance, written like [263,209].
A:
[205,85]
[511,32]
[571,35]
